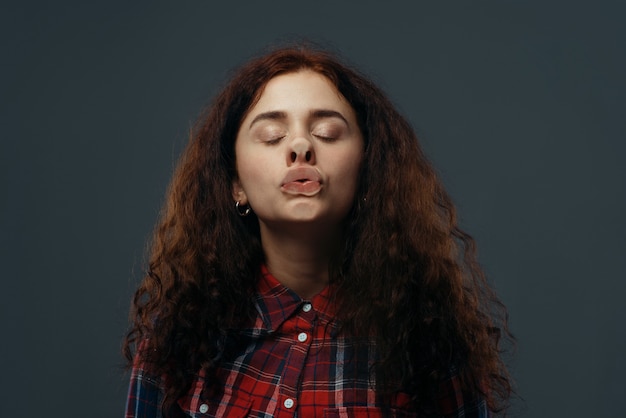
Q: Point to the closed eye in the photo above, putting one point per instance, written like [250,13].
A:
[273,141]
[326,138]
[328,129]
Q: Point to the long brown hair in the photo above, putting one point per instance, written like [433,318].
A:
[429,305]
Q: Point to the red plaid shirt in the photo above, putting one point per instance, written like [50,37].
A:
[290,363]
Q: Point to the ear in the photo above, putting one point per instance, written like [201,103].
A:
[239,195]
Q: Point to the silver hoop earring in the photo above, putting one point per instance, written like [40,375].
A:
[242,211]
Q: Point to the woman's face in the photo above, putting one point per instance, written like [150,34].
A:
[298,153]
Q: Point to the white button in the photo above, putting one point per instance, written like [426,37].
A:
[306,307]
[302,337]
[288,403]
[203,408]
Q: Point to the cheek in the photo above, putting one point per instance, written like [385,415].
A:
[347,181]
[354,177]
[353,169]
[253,171]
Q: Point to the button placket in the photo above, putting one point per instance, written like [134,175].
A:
[302,333]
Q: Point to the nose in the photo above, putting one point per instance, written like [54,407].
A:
[301,151]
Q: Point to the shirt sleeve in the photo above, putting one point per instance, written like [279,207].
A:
[144,394]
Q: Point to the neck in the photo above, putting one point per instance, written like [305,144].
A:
[298,257]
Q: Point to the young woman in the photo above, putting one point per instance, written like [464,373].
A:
[308,263]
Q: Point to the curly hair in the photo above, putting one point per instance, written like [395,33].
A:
[430,307]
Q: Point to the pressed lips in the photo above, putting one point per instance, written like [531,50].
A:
[302,181]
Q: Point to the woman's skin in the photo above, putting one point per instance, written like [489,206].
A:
[298,152]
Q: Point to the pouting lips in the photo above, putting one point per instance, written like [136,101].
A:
[302,180]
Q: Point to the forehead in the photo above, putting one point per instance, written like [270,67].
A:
[302,89]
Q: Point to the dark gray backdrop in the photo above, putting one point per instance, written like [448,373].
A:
[519,104]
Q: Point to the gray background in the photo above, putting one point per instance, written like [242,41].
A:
[519,104]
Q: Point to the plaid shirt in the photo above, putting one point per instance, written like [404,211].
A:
[290,363]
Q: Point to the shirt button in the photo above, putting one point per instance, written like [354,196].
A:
[203,408]
[288,403]
[306,307]
[302,337]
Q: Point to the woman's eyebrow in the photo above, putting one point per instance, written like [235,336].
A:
[273,115]
[324,113]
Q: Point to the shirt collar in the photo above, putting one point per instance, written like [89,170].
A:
[276,303]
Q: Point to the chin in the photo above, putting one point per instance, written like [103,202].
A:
[305,218]
[304,211]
